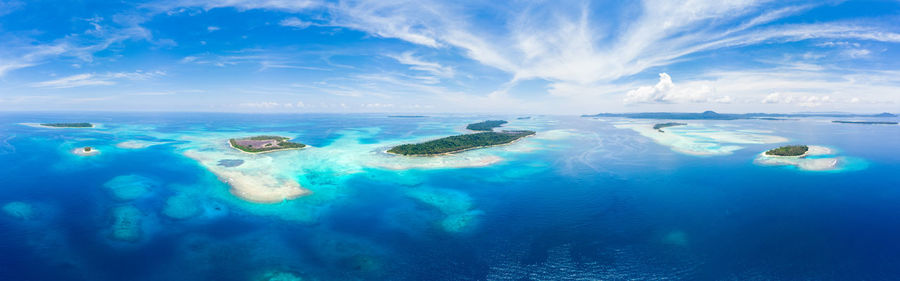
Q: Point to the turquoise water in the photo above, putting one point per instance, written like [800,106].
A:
[582,200]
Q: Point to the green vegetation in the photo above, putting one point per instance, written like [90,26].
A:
[87,149]
[68,125]
[459,143]
[259,144]
[790,150]
[865,122]
[488,125]
[660,126]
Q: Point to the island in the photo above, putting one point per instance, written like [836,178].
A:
[459,143]
[660,126]
[67,125]
[789,150]
[865,122]
[261,144]
[86,151]
[488,125]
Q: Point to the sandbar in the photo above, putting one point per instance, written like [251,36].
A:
[252,182]
[138,144]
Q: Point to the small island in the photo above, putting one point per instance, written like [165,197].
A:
[660,126]
[488,125]
[865,122]
[68,125]
[459,143]
[789,150]
[86,151]
[261,144]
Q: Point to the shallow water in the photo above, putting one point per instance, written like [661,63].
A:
[581,200]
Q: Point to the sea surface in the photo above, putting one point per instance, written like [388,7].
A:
[584,199]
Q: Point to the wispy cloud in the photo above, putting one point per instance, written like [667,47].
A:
[90,79]
[294,22]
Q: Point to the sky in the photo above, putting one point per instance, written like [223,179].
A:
[425,56]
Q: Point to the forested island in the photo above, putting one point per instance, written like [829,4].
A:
[488,125]
[789,150]
[865,122]
[660,126]
[459,143]
[712,115]
[68,125]
[259,144]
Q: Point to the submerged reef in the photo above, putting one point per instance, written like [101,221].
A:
[126,223]
[182,206]
[130,187]
[456,206]
[19,210]
[279,276]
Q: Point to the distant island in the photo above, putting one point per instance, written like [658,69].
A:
[260,144]
[488,125]
[712,115]
[459,143]
[789,150]
[865,122]
[86,151]
[68,125]
[407,116]
[660,126]
[523,118]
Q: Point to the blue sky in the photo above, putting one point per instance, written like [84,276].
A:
[549,57]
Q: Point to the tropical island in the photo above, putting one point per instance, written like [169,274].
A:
[789,150]
[86,151]
[488,125]
[865,122]
[660,126]
[459,143]
[68,125]
[261,144]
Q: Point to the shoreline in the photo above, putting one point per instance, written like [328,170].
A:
[457,151]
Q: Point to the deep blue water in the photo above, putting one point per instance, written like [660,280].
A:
[605,204]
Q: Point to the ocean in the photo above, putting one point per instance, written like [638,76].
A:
[583,199]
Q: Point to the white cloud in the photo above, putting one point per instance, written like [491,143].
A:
[857,53]
[665,91]
[294,22]
[212,28]
[799,99]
